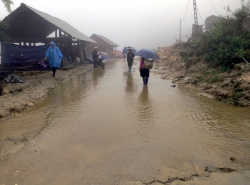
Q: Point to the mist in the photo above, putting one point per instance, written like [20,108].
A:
[138,23]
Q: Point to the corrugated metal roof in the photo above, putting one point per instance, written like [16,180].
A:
[64,26]
[106,40]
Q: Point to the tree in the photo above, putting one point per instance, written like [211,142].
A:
[7,4]
[4,27]
[228,43]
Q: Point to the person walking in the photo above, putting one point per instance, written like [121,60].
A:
[55,56]
[130,59]
[144,72]
[95,57]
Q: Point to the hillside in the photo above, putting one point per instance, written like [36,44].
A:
[229,86]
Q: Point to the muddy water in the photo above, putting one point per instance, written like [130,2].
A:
[105,127]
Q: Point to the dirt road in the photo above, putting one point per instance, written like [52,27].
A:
[104,127]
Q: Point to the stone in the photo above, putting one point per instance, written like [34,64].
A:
[222,93]
[30,104]
[192,61]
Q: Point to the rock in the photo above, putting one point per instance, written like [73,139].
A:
[208,87]
[232,159]
[5,92]
[195,81]
[30,104]
[192,61]
[207,95]
[187,80]
[173,85]
[180,77]
[222,93]
[164,57]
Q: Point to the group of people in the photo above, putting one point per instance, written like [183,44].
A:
[54,55]
[144,72]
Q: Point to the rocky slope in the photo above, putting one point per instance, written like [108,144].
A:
[181,64]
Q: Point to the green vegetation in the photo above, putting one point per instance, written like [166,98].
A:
[7,4]
[4,28]
[228,42]
[211,76]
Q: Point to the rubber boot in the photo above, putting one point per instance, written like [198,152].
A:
[129,68]
[143,79]
[146,81]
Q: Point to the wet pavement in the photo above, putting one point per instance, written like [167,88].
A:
[104,127]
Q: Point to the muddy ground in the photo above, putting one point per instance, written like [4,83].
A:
[72,138]
[38,84]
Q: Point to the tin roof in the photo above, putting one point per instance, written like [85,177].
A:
[39,21]
[106,40]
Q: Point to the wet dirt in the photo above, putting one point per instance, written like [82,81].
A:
[104,127]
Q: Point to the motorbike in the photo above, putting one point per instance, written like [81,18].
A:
[100,62]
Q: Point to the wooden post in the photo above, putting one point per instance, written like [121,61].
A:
[60,33]
[1,53]
[29,29]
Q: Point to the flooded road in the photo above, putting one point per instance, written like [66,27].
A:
[104,127]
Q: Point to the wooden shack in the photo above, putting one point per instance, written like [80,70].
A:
[102,43]
[31,27]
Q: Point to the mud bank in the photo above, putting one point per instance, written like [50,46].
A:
[180,64]
[38,84]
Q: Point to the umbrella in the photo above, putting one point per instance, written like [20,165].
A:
[125,50]
[147,53]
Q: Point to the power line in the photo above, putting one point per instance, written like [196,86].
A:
[186,11]
[200,15]
[213,6]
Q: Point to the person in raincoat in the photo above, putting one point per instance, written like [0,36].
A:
[54,55]
[130,59]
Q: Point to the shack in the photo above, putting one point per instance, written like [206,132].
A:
[32,30]
[211,21]
[103,44]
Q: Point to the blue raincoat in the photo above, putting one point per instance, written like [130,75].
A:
[54,55]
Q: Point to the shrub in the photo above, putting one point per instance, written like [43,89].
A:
[228,43]
[4,28]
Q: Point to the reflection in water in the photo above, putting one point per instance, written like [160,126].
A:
[145,112]
[97,73]
[130,84]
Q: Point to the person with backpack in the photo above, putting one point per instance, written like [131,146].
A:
[144,69]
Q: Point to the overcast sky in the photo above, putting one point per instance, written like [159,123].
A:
[139,23]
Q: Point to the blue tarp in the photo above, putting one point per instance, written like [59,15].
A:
[12,54]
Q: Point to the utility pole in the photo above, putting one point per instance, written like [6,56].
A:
[180,31]
[195,18]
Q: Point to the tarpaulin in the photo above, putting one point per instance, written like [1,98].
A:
[13,54]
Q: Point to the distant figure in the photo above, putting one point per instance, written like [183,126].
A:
[55,56]
[95,57]
[144,73]
[130,59]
